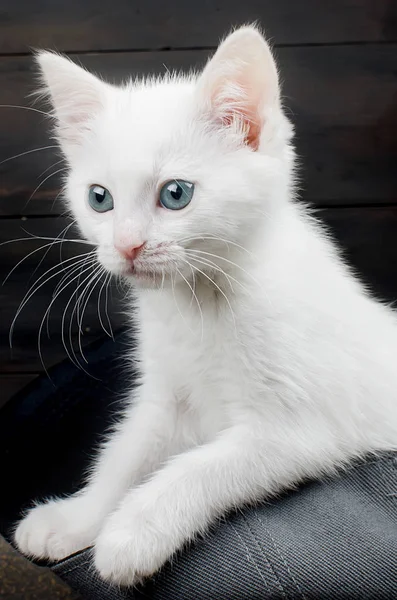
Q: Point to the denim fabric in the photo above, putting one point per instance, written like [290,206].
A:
[331,540]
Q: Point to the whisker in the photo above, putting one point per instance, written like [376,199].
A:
[73,268]
[176,303]
[106,305]
[42,183]
[221,291]
[209,263]
[95,279]
[31,254]
[64,232]
[79,298]
[89,277]
[32,290]
[55,199]
[99,301]
[197,301]
[233,264]
[35,110]
[215,238]
[38,237]
[23,259]
[28,152]
[230,262]
[62,332]
[53,165]
[71,271]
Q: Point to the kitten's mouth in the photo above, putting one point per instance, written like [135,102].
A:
[141,273]
[138,273]
[153,267]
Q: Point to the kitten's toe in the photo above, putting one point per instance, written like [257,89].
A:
[125,556]
[49,531]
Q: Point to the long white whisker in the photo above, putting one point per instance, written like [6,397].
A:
[28,152]
[79,300]
[89,277]
[64,232]
[39,237]
[230,262]
[215,238]
[43,182]
[53,164]
[99,301]
[213,265]
[32,290]
[82,303]
[71,271]
[222,292]
[106,305]
[62,334]
[176,303]
[209,263]
[197,301]
[95,280]
[23,259]
[55,199]
[74,268]
[35,110]
[49,246]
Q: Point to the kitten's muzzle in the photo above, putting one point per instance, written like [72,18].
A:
[130,252]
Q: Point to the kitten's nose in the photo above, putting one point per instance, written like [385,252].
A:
[130,252]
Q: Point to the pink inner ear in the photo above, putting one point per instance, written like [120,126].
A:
[239,108]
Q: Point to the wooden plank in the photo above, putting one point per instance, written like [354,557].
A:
[11,384]
[367,234]
[368,238]
[150,24]
[24,354]
[342,100]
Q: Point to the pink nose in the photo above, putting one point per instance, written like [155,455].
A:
[130,252]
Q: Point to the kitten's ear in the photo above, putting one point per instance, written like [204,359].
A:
[75,94]
[240,83]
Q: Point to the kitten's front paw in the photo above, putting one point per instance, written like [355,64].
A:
[56,529]
[125,555]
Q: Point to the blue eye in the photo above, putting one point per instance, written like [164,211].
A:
[176,194]
[100,199]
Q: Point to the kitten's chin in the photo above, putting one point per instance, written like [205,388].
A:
[146,280]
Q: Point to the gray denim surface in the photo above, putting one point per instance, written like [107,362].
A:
[333,539]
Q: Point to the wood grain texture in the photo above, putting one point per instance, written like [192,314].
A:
[343,101]
[24,354]
[74,25]
[367,236]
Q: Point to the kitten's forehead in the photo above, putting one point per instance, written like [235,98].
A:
[148,114]
[142,129]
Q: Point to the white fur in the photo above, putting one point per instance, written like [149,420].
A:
[280,367]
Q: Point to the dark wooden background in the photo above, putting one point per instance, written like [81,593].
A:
[338,60]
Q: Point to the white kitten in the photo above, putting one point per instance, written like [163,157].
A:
[263,360]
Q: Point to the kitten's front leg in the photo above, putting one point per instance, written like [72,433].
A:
[146,435]
[178,502]
[243,464]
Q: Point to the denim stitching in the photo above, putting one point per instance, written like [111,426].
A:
[83,564]
[250,557]
[282,557]
[279,584]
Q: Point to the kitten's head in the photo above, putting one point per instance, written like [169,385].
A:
[163,170]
